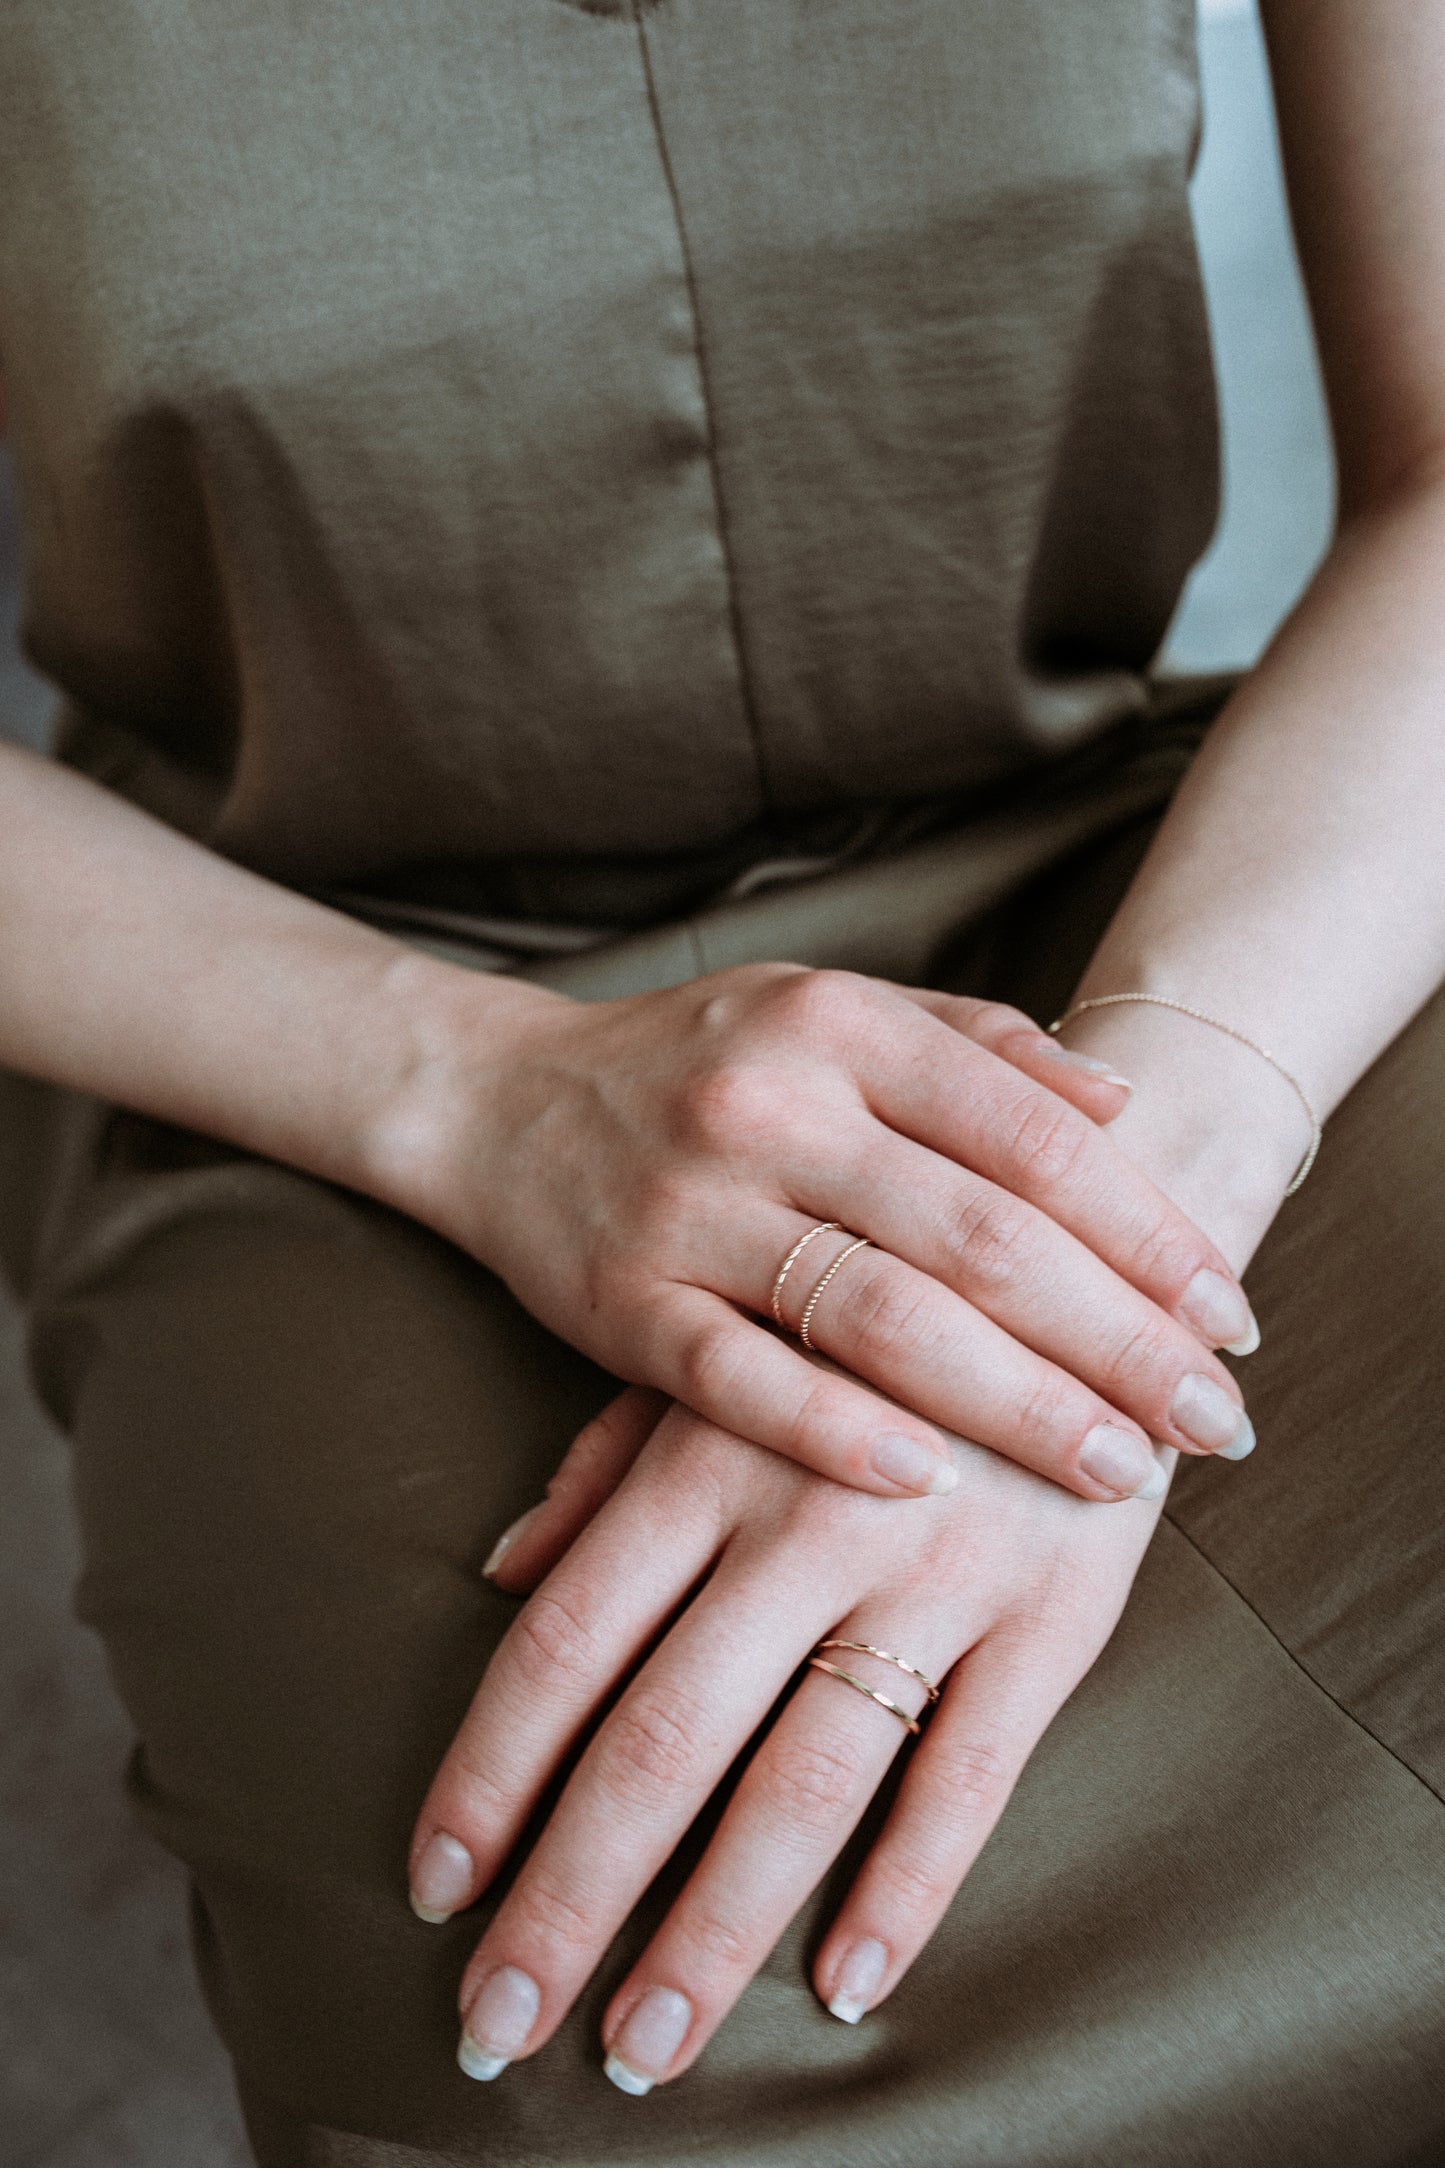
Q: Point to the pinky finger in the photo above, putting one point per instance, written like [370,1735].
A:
[996,1707]
[595,1463]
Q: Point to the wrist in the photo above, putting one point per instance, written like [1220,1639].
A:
[456,1032]
[1211,1122]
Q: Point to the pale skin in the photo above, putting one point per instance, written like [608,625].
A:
[661,1155]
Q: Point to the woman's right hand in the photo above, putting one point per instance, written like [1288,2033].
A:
[637,1170]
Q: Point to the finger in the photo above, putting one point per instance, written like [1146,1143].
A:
[1092,1086]
[748,1380]
[562,1655]
[1128,1375]
[595,1463]
[963,1102]
[641,1783]
[1108,1351]
[995,1709]
[799,1800]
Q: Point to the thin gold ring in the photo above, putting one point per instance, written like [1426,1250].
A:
[859,1242]
[823,1227]
[866,1648]
[835,1671]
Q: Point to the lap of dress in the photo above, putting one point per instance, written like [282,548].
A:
[1211,1926]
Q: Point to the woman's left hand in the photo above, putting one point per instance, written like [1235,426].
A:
[1007,1588]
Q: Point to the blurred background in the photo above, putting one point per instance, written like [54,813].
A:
[106,2060]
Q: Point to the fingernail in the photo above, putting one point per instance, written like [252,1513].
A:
[1216,1306]
[1123,1463]
[654,2032]
[914,1466]
[441,1880]
[1205,1413]
[1087,1062]
[858,1980]
[498,2022]
[506,1539]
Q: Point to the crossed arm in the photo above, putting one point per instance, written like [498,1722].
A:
[1297,887]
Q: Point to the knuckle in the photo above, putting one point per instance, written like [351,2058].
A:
[1134,1362]
[1163,1254]
[914,1881]
[1044,1424]
[819,1004]
[987,1238]
[811,1784]
[727,1106]
[975,1773]
[474,1788]
[652,1747]
[549,1639]
[885,1311]
[720,1944]
[553,1915]
[1047,1139]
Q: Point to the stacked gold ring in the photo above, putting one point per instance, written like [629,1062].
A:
[816,1662]
[824,1227]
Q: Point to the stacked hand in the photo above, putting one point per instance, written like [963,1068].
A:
[638,1170]
[1030,1290]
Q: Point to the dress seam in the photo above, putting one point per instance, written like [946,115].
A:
[1300,1665]
[699,344]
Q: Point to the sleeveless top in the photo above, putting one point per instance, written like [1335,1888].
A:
[460,433]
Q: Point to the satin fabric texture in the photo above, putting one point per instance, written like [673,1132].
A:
[1211,1925]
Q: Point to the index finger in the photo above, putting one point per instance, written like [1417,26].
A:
[566,1649]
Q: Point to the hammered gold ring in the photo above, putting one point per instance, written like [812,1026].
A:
[818,1662]
[824,1227]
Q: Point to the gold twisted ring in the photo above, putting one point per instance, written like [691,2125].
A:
[817,1662]
[824,1227]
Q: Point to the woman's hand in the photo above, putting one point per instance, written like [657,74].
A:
[637,1170]
[1008,1586]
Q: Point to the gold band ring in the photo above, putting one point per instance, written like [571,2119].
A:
[859,1242]
[835,1671]
[900,1663]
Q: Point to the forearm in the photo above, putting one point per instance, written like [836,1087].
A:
[1297,886]
[139,966]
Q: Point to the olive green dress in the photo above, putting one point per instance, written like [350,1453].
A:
[609,490]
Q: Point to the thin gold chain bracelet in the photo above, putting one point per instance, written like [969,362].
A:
[1182,1008]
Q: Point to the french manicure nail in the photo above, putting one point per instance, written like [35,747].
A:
[1216,1306]
[1205,1413]
[1120,1461]
[914,1466]
[502,2014]
[652,2035]
[1086,1062]
[506,1539]
[441,1880]
[859,1979]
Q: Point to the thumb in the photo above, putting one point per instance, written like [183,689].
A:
[595,1463]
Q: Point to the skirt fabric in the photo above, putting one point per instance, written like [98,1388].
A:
[1211,1925]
